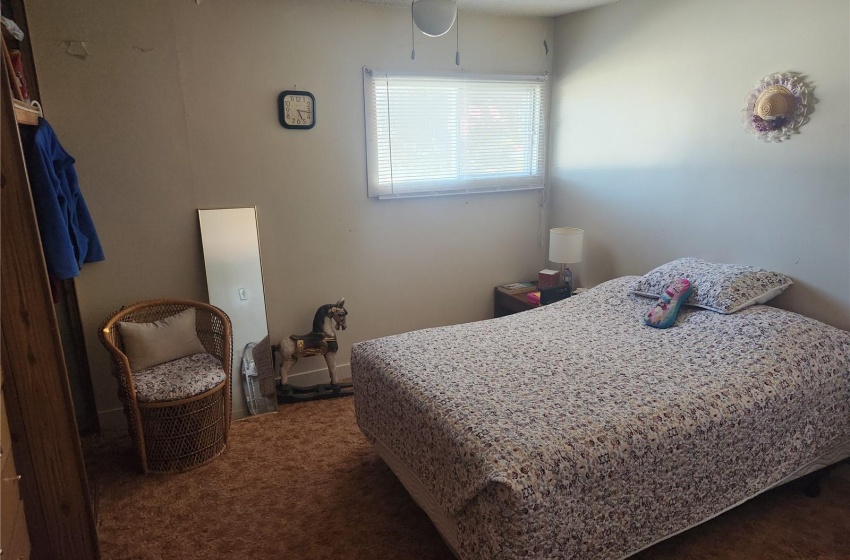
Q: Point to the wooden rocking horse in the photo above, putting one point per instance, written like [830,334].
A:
[320,341]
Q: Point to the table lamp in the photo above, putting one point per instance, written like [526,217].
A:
[565,247]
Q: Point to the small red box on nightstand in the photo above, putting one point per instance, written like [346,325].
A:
[548,279]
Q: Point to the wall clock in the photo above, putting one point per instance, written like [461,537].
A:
[296,109]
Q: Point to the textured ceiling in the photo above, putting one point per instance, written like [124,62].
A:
[544,8]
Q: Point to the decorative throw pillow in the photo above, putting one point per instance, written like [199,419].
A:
[725,288]
[151,344]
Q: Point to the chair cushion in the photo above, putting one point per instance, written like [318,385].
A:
[178,379]
[151,344]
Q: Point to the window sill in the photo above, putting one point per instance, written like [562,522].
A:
[423,194]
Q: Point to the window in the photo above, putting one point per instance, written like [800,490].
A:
[430,135]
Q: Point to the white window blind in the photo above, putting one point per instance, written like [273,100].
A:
[453,134]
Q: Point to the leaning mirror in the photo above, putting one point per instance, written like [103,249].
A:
[235,284]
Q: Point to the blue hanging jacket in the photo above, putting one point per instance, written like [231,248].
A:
[67,231]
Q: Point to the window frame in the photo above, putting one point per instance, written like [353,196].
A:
[431,187]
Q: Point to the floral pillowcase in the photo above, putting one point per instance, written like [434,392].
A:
[724,288]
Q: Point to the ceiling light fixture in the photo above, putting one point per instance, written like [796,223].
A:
[434,18]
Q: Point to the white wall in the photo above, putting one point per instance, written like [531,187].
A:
[175,109]
[649,155]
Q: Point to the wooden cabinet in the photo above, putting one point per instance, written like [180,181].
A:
[57,512]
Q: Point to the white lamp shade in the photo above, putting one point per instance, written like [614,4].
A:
[565,244]
[434,17]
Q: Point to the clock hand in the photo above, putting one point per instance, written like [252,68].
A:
[301,114]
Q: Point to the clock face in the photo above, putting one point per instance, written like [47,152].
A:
[297,109]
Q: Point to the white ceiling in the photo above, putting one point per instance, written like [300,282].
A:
[543,8]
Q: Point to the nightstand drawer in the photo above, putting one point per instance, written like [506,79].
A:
[515,304]
[505,303]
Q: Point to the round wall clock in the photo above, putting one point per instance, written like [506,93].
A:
[296,109]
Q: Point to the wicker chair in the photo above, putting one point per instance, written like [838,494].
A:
[174,435]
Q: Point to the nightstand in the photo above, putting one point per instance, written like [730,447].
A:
[506,303]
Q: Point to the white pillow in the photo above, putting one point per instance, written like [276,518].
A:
[724,288]
[150,344]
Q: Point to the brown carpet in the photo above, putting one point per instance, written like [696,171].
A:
[305,484]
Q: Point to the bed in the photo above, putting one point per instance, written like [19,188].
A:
[575,431]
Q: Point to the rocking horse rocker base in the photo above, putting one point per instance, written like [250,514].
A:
[292,393]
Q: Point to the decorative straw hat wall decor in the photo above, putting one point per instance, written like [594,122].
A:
[777,106]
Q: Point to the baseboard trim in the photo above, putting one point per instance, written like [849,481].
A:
[316,376]
[113,420]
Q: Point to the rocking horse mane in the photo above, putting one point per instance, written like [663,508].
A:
[319,318]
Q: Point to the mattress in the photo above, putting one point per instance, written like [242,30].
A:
[574,431]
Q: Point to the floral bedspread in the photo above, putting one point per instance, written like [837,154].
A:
[575,431]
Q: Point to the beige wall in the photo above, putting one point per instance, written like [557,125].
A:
[649,155]
[174,110]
